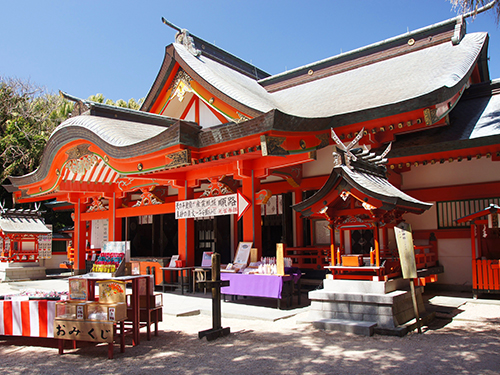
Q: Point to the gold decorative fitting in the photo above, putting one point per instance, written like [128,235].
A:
[211,100]
[382,129]
[400,125]
[302,144]
[391,127]
[40,189]
[433,161]
[349,135]
[441,161]
[450,160]
[424,162]
[58,172]
[488,155]
[310,72]
[106,159]
[400,165]
[140,167]
[459,158]
[411,42]
[392,166]
[408,165]
[374,131]
[408,123]
[365,132]
[415,164]
[419,121]
[478,156]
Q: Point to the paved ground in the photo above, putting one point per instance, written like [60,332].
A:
[463,340]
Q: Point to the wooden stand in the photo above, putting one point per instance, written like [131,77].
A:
[216,283]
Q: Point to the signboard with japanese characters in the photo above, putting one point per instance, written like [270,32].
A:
[204,207]
[404,241]
[83,330]
[45,244]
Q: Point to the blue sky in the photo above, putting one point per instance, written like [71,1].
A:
[116,47]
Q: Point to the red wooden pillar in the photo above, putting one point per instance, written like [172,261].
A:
[115,225]
[186,229]
[252,226]
[79,237]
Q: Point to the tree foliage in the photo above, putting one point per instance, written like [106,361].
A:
[28,116]
[131,104]
[466,6]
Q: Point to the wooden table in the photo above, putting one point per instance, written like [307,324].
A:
[179,272]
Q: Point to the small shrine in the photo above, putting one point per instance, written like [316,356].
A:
[364,286]
[485,241]
[24,241]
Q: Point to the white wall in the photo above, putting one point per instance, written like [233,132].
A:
[454,173]
[323,164]
[425,221]
[455,257]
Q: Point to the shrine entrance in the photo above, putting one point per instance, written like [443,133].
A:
[361,241]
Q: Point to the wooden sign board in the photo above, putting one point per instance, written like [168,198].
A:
[83,330]
[253,255]
[404,241]
[280,259]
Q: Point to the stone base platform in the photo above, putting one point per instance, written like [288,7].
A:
[18,271]
[363,307]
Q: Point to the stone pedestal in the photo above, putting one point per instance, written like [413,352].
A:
[17,271]
[361,306]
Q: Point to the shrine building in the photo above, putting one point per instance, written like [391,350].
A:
[213,126]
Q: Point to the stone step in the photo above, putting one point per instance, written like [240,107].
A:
[343,325]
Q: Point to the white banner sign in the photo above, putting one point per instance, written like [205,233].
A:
[203,207]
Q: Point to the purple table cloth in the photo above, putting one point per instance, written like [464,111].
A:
[269,286]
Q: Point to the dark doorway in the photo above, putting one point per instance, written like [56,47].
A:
[213,234]
[361,241]
[153,236]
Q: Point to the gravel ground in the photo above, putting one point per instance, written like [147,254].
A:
[465,340]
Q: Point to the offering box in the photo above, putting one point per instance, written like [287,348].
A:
[352,260]
[70,310]
[112,291]
[106,311]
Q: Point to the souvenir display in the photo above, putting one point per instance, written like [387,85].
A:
[112,259]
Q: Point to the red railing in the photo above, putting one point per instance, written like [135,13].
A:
[486,275]
[315,258]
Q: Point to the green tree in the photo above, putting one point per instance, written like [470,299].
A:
[28,116]
[131,104]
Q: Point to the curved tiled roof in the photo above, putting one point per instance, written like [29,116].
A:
[427,75]
[236,85]
[435,69]
[115,132]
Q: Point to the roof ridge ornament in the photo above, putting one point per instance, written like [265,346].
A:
[183,37]
[359,158]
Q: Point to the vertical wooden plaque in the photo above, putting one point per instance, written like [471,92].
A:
[280,261]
